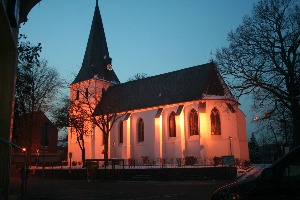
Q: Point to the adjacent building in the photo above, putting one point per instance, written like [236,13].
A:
[35,130]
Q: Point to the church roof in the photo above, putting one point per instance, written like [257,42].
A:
[194,83]
[96,56]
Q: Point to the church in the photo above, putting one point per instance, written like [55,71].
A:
[189,112]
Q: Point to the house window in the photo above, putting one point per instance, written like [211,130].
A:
[140,130]
[193,122]
[121,132]
[77,95]
[215,122]
[172,125]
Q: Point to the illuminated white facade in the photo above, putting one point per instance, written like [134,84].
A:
[189,112]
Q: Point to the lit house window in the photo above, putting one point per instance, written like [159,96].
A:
[193,122]
[140,130]
[215,122]
[172,125]
[121,132]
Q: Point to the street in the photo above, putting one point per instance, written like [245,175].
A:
[80,189]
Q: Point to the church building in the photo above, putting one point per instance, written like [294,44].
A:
[189,112]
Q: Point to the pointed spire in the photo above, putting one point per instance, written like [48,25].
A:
[96,61]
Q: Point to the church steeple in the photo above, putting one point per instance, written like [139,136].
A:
[96,61]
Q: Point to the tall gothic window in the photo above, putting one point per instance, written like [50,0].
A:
[193,122]
[121,132]
[172,125]
[215,122]
[140,130]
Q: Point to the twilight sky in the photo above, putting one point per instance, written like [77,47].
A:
[143,36]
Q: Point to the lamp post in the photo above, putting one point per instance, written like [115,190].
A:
[70,157]
[114,150]
[230,138]
[37,157]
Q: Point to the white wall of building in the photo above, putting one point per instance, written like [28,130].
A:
[158,144]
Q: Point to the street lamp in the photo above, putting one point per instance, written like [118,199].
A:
[37,157]
[230,138]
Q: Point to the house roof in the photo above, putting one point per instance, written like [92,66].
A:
[180,86]
[39,117]
[96,56]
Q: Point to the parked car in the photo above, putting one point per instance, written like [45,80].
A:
[279,181]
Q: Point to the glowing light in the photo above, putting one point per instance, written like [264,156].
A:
[203,125]
[109,67]
[23,149]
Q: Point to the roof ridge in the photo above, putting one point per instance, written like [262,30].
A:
[167,73]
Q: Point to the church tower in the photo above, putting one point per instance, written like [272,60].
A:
[96,73]
[94,77]
[96,62]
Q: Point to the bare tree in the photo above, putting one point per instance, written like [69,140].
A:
[79,122]
[263,58]
[105,119]
[87,99]
[60,113]
[36,88]
[138,76]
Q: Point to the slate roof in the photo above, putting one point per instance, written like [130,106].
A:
[96,55]
[174,87]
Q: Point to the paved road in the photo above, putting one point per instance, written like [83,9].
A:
[80,189]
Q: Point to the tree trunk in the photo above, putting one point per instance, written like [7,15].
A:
[106,148]
[83,156]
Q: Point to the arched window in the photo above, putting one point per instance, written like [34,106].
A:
[121,132]
[215,122]
[172,125]
[193,122]
[140,130]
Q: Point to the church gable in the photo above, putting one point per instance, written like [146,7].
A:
[175,87]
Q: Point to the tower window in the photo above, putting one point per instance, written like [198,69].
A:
[86,92]
[77,95]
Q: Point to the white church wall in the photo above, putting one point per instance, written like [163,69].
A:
[157,143]
[145,148]
[217,145]
[114,142]
[99,147]
[73,147]
[169,143]
[192,142]
[231,126]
